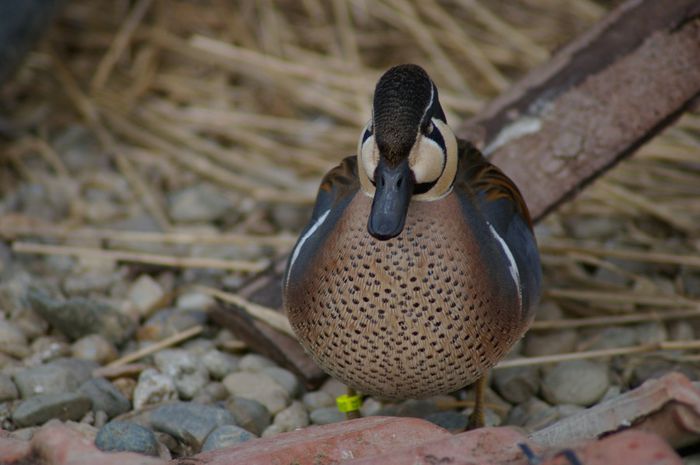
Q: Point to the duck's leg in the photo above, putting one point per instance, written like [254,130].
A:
[476,419]
[350,404]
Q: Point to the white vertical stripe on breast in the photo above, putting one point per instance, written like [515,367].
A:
[303,239]
[512,265]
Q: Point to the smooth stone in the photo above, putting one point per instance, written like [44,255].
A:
[284,378]
[334,387]
[94,347]
[293,417]
[126,386]
[219,364]
[46,349]
[550,342]
[453,422]
[680,330]
[31,324]
[255,362]
[13,342]
[194,301]
[226,436]
[146,295]
[580,382]
[326,415]
[317,399]
[8,389]
[517,384]
[417,408]
[185,369]
[52,378]
[169,321]
[153,388]
[79,317]
[90,281]
[651,332]
[190,422]
[125,436]
[532,414]
[199,203]
[105,397]
[371,407]
[260,387]
[608,338]
[40,409]
[212,392]
[199,346]
[250,414]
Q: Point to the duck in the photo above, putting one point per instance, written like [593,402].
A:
[419,268]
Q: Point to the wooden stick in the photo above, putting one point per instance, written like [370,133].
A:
[10,230]
[615,320]
[145,258]
[272,317]
[640,349]
[157,347]
[557,246]
[620,298]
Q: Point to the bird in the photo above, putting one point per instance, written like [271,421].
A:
[419,268]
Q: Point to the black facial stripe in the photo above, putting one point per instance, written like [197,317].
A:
[424,187]
[436,136]
[366,135]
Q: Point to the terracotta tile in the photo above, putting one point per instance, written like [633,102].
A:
[329,444]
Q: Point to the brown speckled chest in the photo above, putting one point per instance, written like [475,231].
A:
[404,318]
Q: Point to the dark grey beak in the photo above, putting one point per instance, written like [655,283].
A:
[394,187]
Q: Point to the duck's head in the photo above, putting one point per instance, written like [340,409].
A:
[406,152]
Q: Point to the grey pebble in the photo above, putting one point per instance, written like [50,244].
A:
[105,397]
[169,321]
[219,364]
[370,407]
[54,377]
[8,389]
[453,422]
[293,417]
[317,399]
[608,338]
[326,415]
[533,414]
[212,392]
[153,388]
[190,422]
[199,203]
[549,342]
[226,436]
[79,317]
[39,409]
[48,348]
[199,346]
[254,362]
[517,384]
[94,347]
[580,382]
[250,414]
[260,387]
[417,408]
[185,370]
[125,436]
[284,378]
[12,340]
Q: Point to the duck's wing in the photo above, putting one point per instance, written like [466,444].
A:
[502,205]
[337,188]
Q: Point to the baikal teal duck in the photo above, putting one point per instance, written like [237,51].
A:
[418,270]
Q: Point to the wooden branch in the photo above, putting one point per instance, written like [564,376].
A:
[562,125]
[596,101]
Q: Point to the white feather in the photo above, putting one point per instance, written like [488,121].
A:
[512,265]
[314,227]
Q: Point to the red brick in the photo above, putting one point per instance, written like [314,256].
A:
[625,448]
[12,450]
[57,444]
[485,446]
[330,444]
